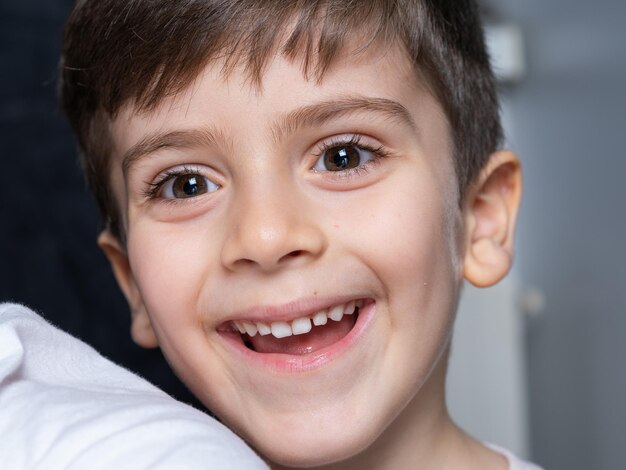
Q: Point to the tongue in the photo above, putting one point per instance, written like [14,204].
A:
[319,337]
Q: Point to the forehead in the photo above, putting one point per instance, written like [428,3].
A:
[358,74]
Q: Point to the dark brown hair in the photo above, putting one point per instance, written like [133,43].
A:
[121,52]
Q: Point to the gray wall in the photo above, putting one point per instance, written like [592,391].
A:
[568,123]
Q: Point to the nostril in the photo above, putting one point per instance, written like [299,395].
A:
[294,254]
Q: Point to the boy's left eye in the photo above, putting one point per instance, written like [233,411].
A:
[343,157]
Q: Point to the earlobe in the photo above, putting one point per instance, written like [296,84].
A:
[141,328]
[491,212]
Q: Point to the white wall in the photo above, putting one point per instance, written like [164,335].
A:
[487,391]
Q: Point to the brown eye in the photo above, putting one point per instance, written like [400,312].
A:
[187,186]
[343,157]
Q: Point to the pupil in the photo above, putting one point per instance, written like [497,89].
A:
[341,159]
[190,188]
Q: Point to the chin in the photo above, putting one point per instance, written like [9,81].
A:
[311,444]
[307,453]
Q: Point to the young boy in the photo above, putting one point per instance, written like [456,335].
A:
[293,194]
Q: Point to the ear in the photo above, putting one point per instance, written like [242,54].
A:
[491,210]
[141,329]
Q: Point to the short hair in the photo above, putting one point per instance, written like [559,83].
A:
[119,52]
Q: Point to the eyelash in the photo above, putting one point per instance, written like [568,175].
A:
[355,140]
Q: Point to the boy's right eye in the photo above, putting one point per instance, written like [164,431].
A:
[181,184]
[186,186]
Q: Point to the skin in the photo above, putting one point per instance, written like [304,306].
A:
[280,229]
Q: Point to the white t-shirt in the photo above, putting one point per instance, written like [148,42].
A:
[64,406]
[515,463]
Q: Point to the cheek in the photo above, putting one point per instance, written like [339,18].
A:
[168,269]
[406,240]
[170,264]
[404,234]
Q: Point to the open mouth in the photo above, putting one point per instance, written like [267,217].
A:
[300,336]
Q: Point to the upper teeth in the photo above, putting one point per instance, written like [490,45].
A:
[299,326]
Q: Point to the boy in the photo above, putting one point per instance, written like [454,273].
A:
[293,193]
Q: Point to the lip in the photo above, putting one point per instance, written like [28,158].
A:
[287,312]
[287,364]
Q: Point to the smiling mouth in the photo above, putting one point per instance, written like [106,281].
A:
[300,336]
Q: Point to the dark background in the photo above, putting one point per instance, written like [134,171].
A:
[49,222]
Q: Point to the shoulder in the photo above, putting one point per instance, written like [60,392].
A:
[65,406]
[515,463]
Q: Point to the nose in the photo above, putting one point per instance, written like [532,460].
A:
[270,229]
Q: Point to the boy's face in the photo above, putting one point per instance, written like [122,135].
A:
[272,205]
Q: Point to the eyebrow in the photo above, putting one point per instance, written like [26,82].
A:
[177,139]
[306,116]
[320,113]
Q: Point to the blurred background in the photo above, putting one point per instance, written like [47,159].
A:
[49,221]
[538,362]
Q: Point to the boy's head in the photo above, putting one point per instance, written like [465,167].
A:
[293,194]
